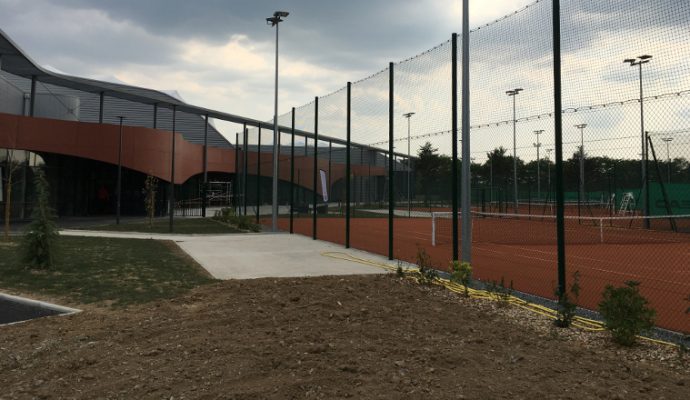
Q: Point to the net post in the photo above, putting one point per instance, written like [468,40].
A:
[601,230]
[558,132]
[316,164]
[292,171]
[391,173]
[347,167]
[454,138]
[433,229]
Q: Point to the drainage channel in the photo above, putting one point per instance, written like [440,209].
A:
[14,309]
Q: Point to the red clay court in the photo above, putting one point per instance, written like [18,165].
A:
[524,252]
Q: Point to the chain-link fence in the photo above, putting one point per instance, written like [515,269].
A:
[626,148]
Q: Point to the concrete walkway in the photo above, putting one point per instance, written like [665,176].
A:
[258,255]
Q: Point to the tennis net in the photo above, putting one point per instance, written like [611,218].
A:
[507,228]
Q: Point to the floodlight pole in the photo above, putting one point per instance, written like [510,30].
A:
[466,184]
[513,93]
[274,21]
[637,62]
[409,164]
[119,175]
[668,140]
[581,127]
[538,146]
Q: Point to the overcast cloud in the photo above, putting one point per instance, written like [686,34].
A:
[220,54]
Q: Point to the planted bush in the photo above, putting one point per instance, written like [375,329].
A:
[461,273]
[626,312]
[39,240]
[427,274]
[565,312]
[243,222]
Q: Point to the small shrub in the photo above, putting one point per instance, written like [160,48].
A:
[225,214]
[39,240]
[499,292]
[565,311]
[625,312]
[244,222]
[683,348]
[427,274]
[461,273]
[399,271]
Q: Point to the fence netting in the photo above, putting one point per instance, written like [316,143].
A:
[626,152]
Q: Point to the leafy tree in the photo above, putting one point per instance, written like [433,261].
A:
[39,240]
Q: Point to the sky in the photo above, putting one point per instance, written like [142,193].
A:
[220,54]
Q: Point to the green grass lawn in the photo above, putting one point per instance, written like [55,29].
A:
[108,271]
[161,225]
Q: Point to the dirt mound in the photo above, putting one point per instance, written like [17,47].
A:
[330,337]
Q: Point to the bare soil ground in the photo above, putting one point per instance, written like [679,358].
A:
[324,338]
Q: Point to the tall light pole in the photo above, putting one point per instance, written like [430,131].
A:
[668,140]
[409,164]
[581,127]
[274,21]
[513,93]
[639,61]
[538,145]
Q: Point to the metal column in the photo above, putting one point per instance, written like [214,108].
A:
[347,168]
[205,167]
[258,177]
[466,184]
[454,138]
[316,163]
[292,170]
[100,107]
[119,176]
[32,100]
[245,157]
[172,173]
[558,131]
[391,173]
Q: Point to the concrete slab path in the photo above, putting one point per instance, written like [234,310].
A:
[259,255]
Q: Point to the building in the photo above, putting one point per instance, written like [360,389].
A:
[80,130]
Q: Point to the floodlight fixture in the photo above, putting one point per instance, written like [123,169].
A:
[277,18]
[639,60]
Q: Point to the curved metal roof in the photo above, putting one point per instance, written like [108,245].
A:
[17,62]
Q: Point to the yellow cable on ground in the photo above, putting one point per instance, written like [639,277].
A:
[579,322]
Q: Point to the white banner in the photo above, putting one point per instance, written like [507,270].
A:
[324,188]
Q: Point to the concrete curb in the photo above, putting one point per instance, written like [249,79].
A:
[62,310]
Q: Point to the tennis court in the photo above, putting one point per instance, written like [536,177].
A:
[523,251]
